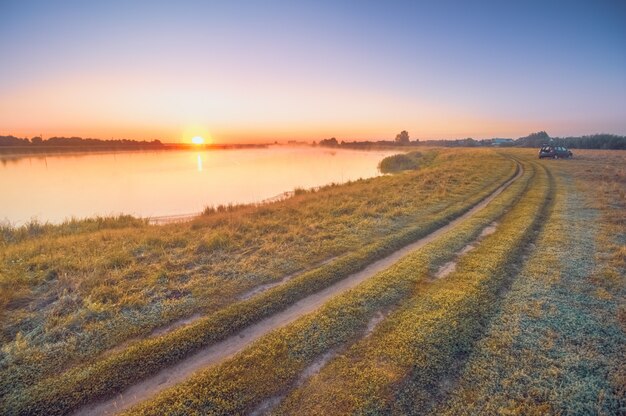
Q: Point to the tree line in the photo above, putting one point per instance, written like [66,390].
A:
[73,141]
[594,141]
[538,139]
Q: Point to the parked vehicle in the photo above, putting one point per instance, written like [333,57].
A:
[555,152]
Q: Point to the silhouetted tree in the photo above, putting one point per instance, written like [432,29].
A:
[403,137]
[332,142]
[533,139]
[13,141]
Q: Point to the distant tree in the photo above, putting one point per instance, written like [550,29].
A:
[36,140]
[13,141]
[595,141]
[468,142]
[403,137]
[534,139]
[332,142]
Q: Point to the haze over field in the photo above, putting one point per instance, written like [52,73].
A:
[261,71]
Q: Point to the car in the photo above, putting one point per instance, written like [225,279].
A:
[555,152]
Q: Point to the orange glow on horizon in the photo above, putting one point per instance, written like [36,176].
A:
[179,111]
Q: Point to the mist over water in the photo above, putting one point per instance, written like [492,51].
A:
[159,183]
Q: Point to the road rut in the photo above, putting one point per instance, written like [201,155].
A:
[216,353]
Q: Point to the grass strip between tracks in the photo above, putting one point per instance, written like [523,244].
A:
[401,367]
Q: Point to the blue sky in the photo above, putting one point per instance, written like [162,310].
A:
[247,71]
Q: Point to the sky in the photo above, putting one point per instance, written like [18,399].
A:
[259,71]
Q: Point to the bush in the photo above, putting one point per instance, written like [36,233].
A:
[398,163]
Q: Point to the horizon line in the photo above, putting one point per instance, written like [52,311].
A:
[297,140]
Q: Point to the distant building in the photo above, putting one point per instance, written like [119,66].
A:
[502,142]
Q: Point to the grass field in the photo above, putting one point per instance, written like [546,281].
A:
[529,319]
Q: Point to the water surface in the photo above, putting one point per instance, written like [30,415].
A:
[162,183]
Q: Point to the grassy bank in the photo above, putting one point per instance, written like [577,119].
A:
[72,291]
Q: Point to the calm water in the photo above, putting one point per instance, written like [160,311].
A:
[153,184]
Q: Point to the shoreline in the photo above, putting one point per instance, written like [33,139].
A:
[7,152]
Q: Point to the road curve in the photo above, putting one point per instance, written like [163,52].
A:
[230,346]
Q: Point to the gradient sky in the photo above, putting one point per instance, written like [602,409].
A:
[257,71]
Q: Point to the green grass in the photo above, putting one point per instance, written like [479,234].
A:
[557,346]
[107,276]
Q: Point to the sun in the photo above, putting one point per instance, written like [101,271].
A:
[197,140]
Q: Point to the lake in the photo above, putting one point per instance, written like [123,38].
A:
[56,187]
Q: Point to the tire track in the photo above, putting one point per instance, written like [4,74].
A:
[449,382]
[230,346]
